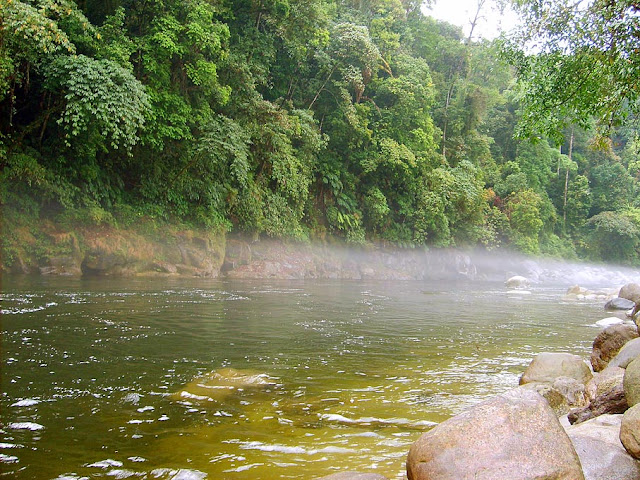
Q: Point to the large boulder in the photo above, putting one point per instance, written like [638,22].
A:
[627,354]
[631,382]
[631,291]
[515,435]
[609,342]
[619,304]
[601,453]
[630,431]
[547,367]
[604,381]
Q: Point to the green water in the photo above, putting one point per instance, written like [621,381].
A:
[93,370]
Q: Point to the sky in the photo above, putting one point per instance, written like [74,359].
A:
[460,12]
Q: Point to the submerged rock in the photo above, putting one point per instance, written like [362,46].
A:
[513,436]
[547,367]
[609,342]
[601,453]
[221,383]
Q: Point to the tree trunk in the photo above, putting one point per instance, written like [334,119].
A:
[566,182]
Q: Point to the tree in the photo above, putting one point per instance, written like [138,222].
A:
[575,61]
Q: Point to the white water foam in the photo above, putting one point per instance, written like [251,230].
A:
[26,426]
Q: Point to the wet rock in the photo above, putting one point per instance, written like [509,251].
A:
[601,453]
[546,367]
[220,384]
[612,401]
[515,435]
[619,304]
[631,382]
[631,291]
[353,476]
[609,342]
[604,381]
[630,431]
[627,354]
[517,281]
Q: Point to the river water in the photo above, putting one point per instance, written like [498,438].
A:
[305,378]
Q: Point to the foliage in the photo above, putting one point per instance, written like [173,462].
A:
[576,61]
[369,121]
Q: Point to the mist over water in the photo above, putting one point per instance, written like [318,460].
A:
[202,378]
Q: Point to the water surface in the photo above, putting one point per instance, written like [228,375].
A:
[93,370]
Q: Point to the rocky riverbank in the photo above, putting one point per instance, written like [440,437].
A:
[569,419]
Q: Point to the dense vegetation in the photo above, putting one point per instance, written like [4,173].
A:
[365,120]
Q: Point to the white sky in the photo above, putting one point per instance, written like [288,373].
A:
[461,12]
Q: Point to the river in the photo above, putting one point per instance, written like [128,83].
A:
[95,372]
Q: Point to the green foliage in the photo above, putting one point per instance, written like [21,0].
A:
[614,236]
[101,98]
[366,120]
[576,61]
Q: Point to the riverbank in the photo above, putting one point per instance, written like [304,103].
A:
[158,250]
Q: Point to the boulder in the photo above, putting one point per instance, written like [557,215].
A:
[517,281]
[627,354]
[546,367]
[619,304]
[515,435]
[558,403]
[609,342]
[631,291]
[353,476]
[562,395]
[630,431]
[604,381]
[631,382]
[601,453]
[612,401]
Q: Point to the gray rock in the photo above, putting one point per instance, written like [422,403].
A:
[513,436]
[619,304]
[631,382]
[353,476]
[547,367]
[627,354]
[601,454]
[630,431]
[609,342]
[604,381]
[631,291]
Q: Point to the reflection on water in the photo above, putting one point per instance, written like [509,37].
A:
[181,379]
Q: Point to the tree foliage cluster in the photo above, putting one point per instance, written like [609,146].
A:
[365,120]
